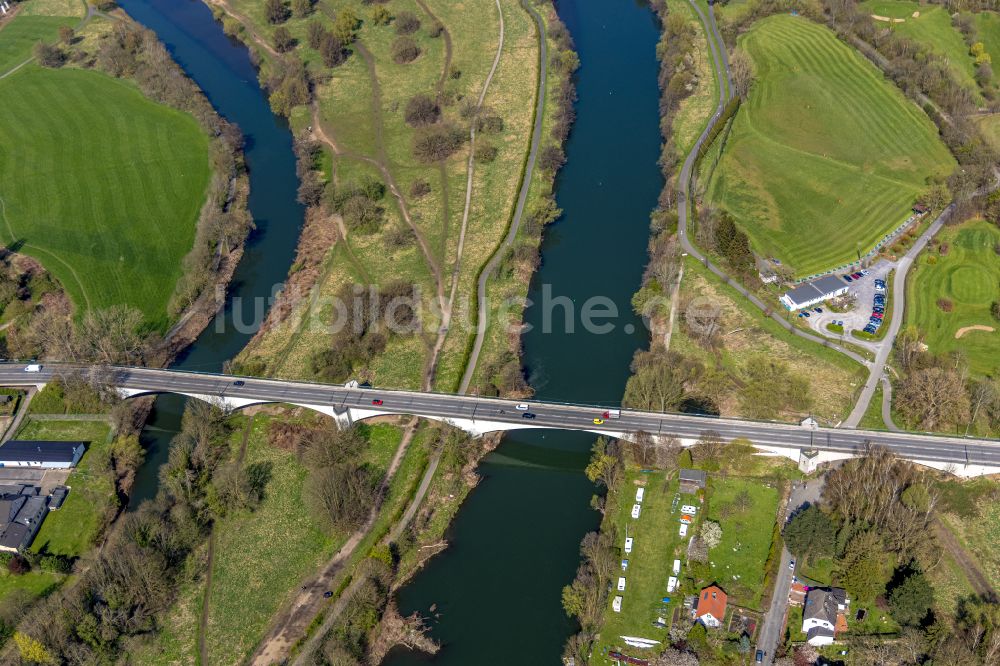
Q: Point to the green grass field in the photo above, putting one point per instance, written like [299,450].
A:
[932,27]
[826,157]
[102,185]
[988,26]
[738,562]
[20,35]
[72,529]
[969,276]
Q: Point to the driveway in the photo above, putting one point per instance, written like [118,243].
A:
[774,620]
[863,291]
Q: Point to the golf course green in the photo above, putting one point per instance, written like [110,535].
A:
[967,275]
[101,185]
[826,157]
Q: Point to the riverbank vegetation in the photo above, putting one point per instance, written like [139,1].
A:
[397,131]
[148,206]
[731,543]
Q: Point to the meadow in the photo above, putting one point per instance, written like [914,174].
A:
[104,187]
[967,275]
[826,156]
[931,27]
[988,29]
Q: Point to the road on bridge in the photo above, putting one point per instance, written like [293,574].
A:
[489,414]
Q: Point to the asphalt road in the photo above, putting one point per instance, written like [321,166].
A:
[770,630]
[915,446]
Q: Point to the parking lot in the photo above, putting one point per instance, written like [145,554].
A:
[863,292]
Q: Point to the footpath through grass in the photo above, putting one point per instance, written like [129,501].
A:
[826,156]
[953,290]
[102,185]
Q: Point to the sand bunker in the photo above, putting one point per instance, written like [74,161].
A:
[978,327]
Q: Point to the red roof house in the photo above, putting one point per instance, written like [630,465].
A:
[711,606]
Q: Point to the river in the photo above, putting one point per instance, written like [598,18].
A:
[515,540]
[223,70]
[514,543]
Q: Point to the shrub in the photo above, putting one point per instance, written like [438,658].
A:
[399,237]
[995,310]
[345,25]
[283,40]
[945,305]
[486,153]
[437,142]
[422,110]
[552,158]
[436,30]
[405,50]
[276,11]
[420,188]
[489,124]
[381,15]
[315,34]
[65,34]
[48,55]
[331,49]
[18,566]
[407,23]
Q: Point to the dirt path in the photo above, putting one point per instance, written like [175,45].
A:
[977,327]
[965,561]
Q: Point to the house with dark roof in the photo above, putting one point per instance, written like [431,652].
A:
[824,614]
[41,454]
[811,293]
[691,480]
[710,608]
[21,516]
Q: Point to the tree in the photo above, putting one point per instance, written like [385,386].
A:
[912,599]
[864,566]
[437,142]
[810,533]
[404,50]
[341,495]
[66,34]
[276,11]
[742,71]
[421,110]
[674,657]
[48,55]
[552,158]
[31,650]
[302,8]
[711,533]
[407,23]
[933,398]
[283,40]
[345,26]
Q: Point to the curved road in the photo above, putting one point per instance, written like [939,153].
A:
[522,196]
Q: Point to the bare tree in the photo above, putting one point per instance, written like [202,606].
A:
[742,70]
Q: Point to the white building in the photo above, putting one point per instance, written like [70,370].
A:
[811,293]
[41,454]
[823,609]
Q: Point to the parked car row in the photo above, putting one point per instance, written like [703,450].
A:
[851,277]
[878,308]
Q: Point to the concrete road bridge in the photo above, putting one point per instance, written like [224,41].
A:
[808,443]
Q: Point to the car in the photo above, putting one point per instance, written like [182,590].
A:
[239,382]
[878,310]
[327,594]
[878,315]
[857,276]
[527,415]
[377,402]
[598,421]
[864,273]
[523,407]
[33,367]
[820,310]
[806,314]
[802,314]
[760,657]
[870,330]
[848,278]
[791,565]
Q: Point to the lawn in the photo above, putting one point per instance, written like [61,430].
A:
[104,186]
[19,36]
[969,277]
[656,545]
[931,27]
[738,562]
[72,529]
[826,156]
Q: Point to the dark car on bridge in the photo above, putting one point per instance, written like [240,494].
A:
[527,415]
